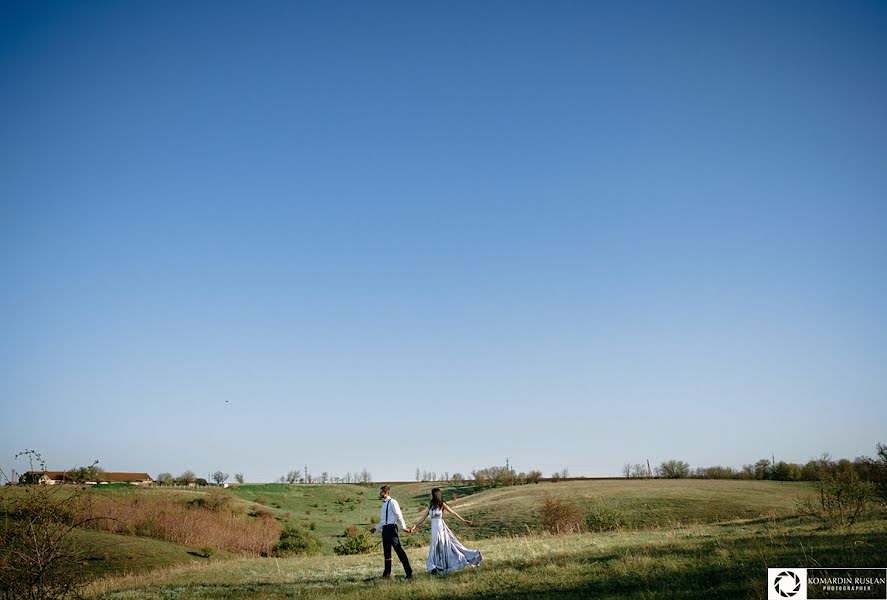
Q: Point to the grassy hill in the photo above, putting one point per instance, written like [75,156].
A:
[674,538]
[691,561]
[623,504]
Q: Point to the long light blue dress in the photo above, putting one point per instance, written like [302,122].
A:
[447,554]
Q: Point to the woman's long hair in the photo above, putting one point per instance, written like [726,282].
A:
[436,499]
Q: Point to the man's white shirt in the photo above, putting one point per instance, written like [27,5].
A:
[390,514]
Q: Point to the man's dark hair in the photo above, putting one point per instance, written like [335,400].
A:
[385,489]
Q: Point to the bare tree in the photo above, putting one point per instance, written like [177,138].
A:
[219,477]
[239,478]
[165,479]
[188,477]
[324,477]
[293,477]
[365,476]
[639,470]
[674,469]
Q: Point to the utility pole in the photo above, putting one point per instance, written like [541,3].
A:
[507,465]
[649,470]
[306,474]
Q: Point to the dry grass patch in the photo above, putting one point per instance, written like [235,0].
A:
[187,524]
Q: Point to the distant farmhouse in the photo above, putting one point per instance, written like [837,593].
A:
[54,477]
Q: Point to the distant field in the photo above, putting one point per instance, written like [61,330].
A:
[662,538]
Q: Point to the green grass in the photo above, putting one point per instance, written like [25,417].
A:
[671,538]
[327,510]
[698,560]
[111,554]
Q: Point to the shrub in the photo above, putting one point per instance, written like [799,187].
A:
[841,499]
[39,558]
[295,540]
[603,517]
[561,516]
[354,542]
[875,470]
[216,500]
[205,552]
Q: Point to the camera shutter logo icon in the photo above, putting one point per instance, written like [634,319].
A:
[787,584]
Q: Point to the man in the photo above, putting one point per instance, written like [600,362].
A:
[389,516]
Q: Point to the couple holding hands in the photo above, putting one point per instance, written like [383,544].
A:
[446,553]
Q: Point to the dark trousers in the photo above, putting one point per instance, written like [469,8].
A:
[389,539]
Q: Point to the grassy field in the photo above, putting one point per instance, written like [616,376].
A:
[659,538]
[690,561]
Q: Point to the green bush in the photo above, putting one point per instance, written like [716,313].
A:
[354,543]
[205,552]
[603,517]
[295,540]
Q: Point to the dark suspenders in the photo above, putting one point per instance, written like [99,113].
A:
[387,504]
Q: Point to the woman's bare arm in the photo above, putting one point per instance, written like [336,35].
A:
[422,520]
[447,508]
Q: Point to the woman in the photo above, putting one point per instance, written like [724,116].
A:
[446,553]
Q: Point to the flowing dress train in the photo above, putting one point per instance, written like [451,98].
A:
[447,554]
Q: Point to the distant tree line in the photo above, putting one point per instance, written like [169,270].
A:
[493,476]
[296,476]
[501,476]
[188,477]
[863,468]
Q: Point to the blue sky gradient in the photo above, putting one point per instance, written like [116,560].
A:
[250,236]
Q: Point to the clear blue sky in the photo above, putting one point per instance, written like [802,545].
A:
[250,236]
